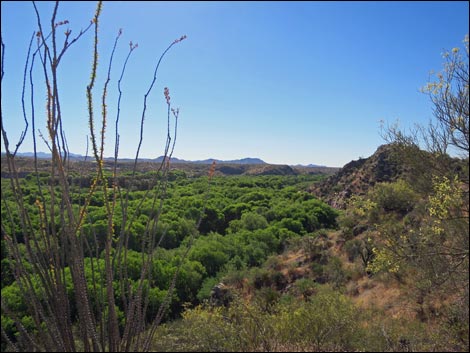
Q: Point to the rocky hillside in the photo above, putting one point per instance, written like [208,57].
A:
[356,177]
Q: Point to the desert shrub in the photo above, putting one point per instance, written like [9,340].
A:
[200,330]
[328,321]
[394,197]
[335,273]
[353,249]
[304,287]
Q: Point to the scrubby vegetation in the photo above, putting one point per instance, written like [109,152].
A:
[274,268]
[242,223]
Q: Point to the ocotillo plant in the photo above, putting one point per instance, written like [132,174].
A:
[45,243]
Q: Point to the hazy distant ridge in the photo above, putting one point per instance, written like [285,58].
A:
[247,160]
[210,160]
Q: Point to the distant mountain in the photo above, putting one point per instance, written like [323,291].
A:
[158,159]
[173,160]
[234,161]
[218,161]
[311,165]
[31,154]
[44,155]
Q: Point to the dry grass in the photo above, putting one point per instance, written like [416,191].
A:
[386,296]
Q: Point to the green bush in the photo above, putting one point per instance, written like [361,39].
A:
[328,321]
[353,249]
[335,273]
[396,197]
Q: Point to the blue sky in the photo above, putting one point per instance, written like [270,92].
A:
[288,82]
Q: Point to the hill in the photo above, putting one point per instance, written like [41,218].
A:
[356,177]
[247,160]
[389,163]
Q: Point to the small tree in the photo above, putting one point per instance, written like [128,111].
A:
[436,244]
[450,97]
[449,94]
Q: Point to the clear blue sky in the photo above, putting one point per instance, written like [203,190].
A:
[288,82]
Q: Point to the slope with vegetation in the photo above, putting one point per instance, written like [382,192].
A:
[391,277]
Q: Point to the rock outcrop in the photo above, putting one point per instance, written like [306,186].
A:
[356,177]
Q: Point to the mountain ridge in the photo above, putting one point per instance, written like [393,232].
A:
[246,160]
[175,160]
